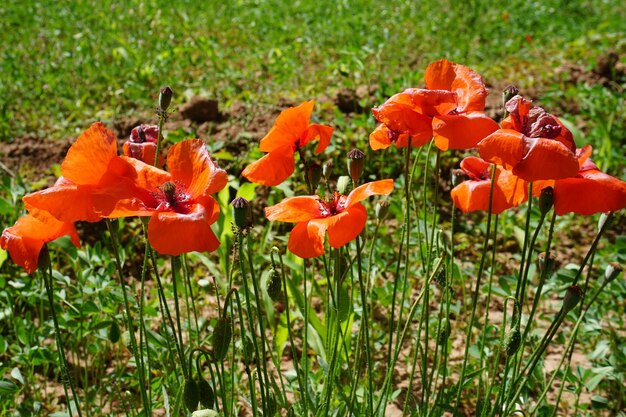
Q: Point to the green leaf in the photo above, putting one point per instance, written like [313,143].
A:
[8,387]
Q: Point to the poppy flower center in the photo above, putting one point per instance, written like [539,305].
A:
[332,206]
[173,197]
[393,135]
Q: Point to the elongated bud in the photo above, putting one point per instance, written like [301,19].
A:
[356,162]
[221,337]
[512,341]
[43,263]
[444,332]
[165,98]
[191,395]
[547,262]
[546,200]
[271,406]
[314,174]
[327,171]
[572,297]
[274,286]
[382,208]
[206,394]
[458,176]
[613,270]
[509,92]
[343,184]
[114,332]
[241,212]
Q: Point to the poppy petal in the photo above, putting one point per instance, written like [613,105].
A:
[590,192]
[545,160]
[88,158]
[306,240]
[273,168]
[379,138]
[290,125]
[432,102]
[172,233]
[67,203]
[190,163]
[314,131]
[402,116]
[503,147]
[345,226]
[295,209]
[462,131]
[144,152]
[360,193]
[465,82]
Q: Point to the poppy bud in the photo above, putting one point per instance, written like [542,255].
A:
[613,270]
[314,174]
[343,184]
[271,406]
[356,161]
[274,285]
[512,341]
[165,98]
[241,212]
[546,200]
[43,263]
[458,176]
[444,332]
[327,171]
[221,337]
[191,395]
[382,208]
[549,262]
[206,394]
[572,297]
[509,92]
[205,413]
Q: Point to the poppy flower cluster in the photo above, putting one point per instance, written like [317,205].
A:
[96,184]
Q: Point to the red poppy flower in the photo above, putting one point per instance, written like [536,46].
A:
[532,143]
[290,132]
[449,109]
[143,143]
[343,217]
[591,191]
[27,236]
[95,182]
[473,194]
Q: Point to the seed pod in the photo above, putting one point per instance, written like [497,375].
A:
[274,285]
[165,98]
[191,395]
[613,270]
[512,341]
[43,263]
[114,332]
[241,212]
[356,162]
[314,174]
[572,297]
[546,200]
[221,337]
[206,394]
[444,332]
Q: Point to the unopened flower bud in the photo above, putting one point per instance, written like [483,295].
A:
[241,212]
[221,337]
[512,341]
[612,271]
[191,395]
[382,208]
[356,162]
[343,184]
[509,92]
[546,200]
[207,395]
[165,98]
[274,285]
[546,261]
[327,170]
[572,297]
[458,176]
[114,332]
[43,263]
[444,332]
[314,174]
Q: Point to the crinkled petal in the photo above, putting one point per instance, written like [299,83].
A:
[322,132]
[360,193]
[144,152]
[88,158]
[273,168]
[172,233]
[295,209]
[379,138]
[290,125]
[401,115]
[432,102]
[345,226]
[465,82]
[306,240]
[546,160]
[190,163]
[503,147]
[588,193]
[462,131]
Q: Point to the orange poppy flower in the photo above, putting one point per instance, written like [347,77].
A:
[290,132]
[142,144]
[473,194]
[342,217]
[449,109]
[532,143]
[95,182]
[591,191]
[27,236]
